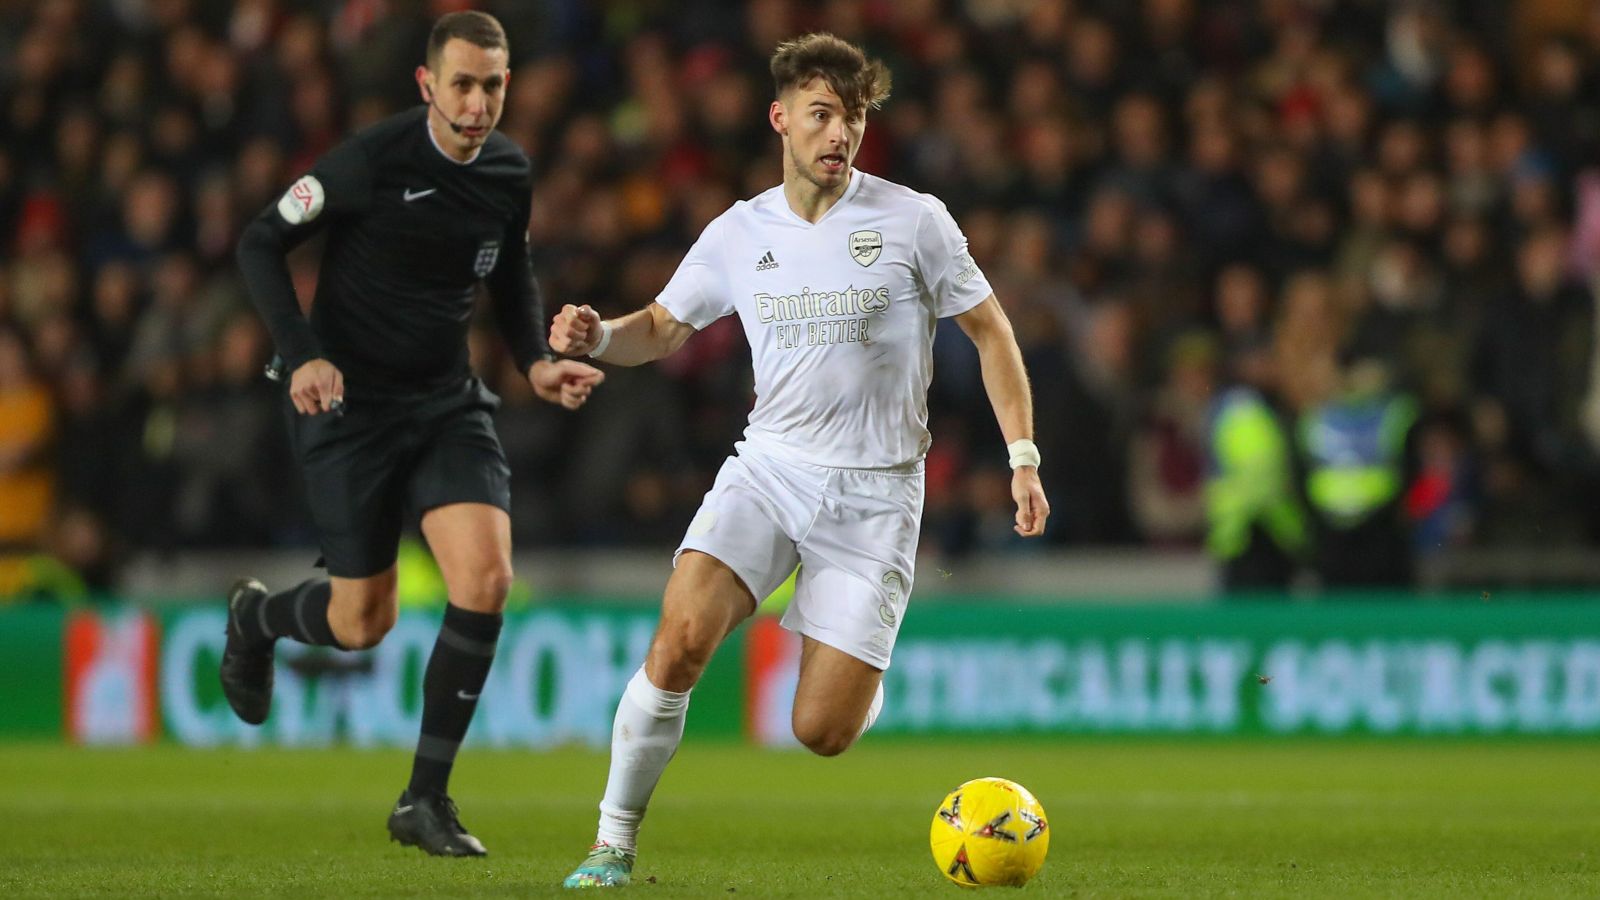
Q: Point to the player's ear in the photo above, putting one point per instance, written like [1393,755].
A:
[422,84]
[778,117]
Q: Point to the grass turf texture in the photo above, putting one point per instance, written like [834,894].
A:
[1174,819]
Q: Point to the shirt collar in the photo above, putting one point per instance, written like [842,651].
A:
[435,142]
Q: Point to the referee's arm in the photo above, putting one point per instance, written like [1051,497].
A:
[262,255]
[518,306]
[519,312]
[339,184]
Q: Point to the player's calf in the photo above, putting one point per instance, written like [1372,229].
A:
[837,699]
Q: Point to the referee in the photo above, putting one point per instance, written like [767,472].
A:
[418,208]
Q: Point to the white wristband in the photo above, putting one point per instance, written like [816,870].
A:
[605,340]
[1023,453]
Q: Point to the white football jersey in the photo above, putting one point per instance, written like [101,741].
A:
[839,314]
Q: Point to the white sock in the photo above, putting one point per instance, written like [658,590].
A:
[872,711]
[644,737]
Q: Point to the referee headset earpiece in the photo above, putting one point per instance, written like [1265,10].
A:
[431,102]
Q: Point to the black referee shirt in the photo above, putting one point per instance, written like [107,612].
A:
[411,232]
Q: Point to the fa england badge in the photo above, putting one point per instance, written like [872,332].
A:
[488,252]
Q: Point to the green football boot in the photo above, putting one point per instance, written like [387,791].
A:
[605,866]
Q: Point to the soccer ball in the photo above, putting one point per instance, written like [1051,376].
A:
[989,831]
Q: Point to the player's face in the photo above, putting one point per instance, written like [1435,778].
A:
[821,135]
[468,86]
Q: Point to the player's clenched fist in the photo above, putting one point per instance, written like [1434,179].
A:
[576,330]
[565,382]
[316,387]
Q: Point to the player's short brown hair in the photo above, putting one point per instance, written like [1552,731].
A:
[860,82]
[471,26]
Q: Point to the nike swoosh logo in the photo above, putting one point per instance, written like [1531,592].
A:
[466,696]
[402,810]
[418,195]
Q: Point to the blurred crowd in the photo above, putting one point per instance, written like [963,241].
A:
[1366,229]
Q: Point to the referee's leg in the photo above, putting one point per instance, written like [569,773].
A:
[363,610]
[338,612]
[472,544]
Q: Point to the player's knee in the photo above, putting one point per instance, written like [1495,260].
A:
[822,735]
[690,642]
[380,621]
[494,585]
[680,652]
[483,589]
[366,631]
[361,626]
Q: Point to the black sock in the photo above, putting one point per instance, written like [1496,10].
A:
[299,614]
[450,687]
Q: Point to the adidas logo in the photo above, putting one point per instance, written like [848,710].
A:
[766,262]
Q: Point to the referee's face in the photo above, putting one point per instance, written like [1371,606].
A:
[466,88]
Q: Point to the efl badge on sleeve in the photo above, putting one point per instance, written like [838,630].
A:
[488,253]
[865,247]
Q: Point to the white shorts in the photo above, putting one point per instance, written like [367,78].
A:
[853,532]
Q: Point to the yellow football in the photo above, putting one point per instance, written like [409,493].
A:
[989,831]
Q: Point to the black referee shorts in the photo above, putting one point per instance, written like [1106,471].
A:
[366,470]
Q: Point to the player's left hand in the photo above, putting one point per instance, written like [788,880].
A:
[565,382]
[1032,508]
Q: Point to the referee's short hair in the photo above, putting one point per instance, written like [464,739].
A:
[471,26]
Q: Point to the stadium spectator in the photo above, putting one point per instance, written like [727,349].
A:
[1128,174]
[27,426]
[1167,464]
[1358,457]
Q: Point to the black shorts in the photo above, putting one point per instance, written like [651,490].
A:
[367,470]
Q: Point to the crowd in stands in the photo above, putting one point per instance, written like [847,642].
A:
[1169,197]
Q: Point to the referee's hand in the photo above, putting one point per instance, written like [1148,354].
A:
[565,382]
[575,331]
[316,387]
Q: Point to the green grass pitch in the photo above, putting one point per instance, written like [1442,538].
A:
[1129,818]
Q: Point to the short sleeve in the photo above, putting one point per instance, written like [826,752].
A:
[948,271]
[695,296]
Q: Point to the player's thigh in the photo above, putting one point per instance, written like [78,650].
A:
[472,544]
[747,523]
[737,550]
[858,566]
[834,692]
[354,469]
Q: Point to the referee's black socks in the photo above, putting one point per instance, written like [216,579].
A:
[456,672]
[299,614]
